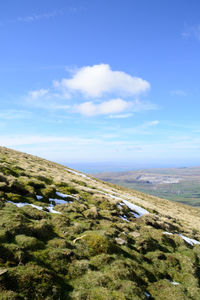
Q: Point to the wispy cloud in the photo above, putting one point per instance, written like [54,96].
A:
[121,116]
[178,93]
[191,32]
[38,17]
[10,114]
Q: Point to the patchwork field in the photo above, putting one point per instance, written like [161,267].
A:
[176,184]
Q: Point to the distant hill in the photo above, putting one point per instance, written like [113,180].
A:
[177,184]
[66,235]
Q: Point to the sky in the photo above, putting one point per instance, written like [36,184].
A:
[113,82]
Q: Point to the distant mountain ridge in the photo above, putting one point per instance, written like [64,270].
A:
[67,235]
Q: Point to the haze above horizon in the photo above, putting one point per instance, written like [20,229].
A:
[89,82]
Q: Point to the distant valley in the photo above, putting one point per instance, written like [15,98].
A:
[177,184]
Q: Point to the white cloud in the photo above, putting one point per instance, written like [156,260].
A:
[107,107]
[36,94]
[191,31]
[95,81]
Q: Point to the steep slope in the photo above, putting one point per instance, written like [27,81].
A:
[64,235]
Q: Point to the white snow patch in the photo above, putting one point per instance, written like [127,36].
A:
[39,197]
[57,201]
[139,210]
[81,174]
[22,204]
[61,195]
[189,241]
[51,210]
[65,195]
[167,233]
[174,283]
[147,294]
[124,218]
[36,206]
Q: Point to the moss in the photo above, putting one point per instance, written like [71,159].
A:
[28,242]
[32,282]
[78,268]
[9,295]
[98,243]
[91,213]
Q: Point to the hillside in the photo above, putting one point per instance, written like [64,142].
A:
[65,235]
[177,184]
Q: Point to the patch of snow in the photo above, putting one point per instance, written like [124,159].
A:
[124,218]
[39,197]
[19,204]
[57,201]
[51,210]
[192,242]
[189,241]
[81,174]
[36,206]
[22,204]
[139,210]
[65,195]
[147,294]
[61,195]
[174,283]
[167,233]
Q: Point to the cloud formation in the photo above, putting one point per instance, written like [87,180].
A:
[113,106]
[101,92]
[97,80]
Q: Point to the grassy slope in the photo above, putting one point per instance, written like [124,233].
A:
[186,191]
[88,251]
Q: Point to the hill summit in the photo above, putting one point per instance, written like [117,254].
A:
[66,235]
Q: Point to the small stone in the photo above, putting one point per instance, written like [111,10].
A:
[134,234]
[3,271]
[120,241]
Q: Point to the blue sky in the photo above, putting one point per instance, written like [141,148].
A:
[101,81]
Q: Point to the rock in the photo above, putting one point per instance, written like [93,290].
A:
[120,241]
[134,234]
[3,271]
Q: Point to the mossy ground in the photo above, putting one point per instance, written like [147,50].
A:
[87,252]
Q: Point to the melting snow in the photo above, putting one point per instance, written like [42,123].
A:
[189,241]
[124,218]
[139,210]
[81,174]
[39,197]
[61,195]
[147,294]
[51,210]
[21,204]
[192,242]
[174,283]
[168,233]
[57,201]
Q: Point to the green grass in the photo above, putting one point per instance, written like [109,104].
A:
[77,254]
